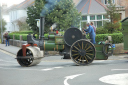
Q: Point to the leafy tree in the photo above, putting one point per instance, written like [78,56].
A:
[23,26]
[3,25]
[64,14]
[33,13]
[114,16]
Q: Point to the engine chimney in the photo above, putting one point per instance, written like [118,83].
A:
[42,21]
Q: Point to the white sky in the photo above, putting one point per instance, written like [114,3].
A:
[11,2]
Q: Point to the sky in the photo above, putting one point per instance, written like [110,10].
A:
[11,2]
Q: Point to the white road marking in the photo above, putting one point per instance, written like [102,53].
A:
[119,69]
[116,79]
[96,61]
[57,67]
[71,77]
[47,69]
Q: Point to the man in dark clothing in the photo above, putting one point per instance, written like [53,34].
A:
[91,32]
[7,37]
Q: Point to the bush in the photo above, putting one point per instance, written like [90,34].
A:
[17,36]
[23,32]
[101,30]
[116,37]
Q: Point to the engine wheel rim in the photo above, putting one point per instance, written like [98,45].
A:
[82,52]
[108,49]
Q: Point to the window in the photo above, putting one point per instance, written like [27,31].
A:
[104,16]
[108,1]
[105,1]
[92,17]
[98,20]
[99,23]
[99,17]
[84,17]
[83,25]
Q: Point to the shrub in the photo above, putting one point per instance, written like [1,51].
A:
[116,37]
[101,30]
[23,32]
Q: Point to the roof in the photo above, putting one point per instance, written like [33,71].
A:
[91,7]
[22,5]
[76,1]
[25,4]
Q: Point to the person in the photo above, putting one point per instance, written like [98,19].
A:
[7,37]
[34,36]
[91,32]
[93,27]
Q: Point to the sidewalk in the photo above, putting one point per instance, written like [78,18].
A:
[10,49]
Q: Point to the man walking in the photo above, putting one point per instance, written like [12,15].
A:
[7,37]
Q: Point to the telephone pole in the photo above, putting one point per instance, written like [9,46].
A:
[1,23]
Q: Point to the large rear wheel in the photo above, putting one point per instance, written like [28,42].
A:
[82,52]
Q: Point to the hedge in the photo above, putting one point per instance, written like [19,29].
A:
[116,37]
[23,32]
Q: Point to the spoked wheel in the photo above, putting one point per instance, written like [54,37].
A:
[25,61]
[82,52]
[107,49]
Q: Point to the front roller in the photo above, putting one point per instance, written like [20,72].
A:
[33,56]
[82,52]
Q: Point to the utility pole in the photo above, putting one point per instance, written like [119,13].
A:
[1,23]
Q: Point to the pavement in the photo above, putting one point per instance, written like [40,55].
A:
[13,50]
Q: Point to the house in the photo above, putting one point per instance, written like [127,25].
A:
[94,11]
[5,15]
[122,5]
[15,13]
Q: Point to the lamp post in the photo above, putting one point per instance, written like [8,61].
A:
[1,23]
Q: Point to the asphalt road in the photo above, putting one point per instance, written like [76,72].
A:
[56,71]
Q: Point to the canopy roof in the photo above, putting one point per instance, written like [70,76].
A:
[87,7]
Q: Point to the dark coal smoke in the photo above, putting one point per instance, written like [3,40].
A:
[49,6]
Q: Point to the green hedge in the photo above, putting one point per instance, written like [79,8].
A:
[116,37]
[17,36]
[23,32]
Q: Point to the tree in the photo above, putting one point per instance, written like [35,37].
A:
[33,13]
[3,25]
[114,16]
[23,26]
[64,14]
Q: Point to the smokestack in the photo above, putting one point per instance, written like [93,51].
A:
[42,21]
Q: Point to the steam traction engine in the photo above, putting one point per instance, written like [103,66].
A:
[73,43]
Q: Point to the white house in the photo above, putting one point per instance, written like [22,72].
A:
[15,13]
[94,11]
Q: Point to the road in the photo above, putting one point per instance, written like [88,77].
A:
[56,71]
